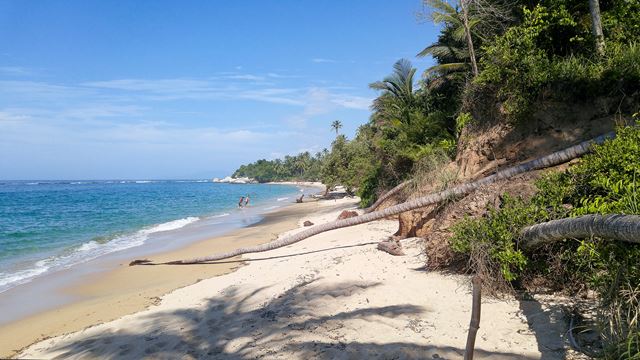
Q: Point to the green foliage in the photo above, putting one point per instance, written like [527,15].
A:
[463,120]
[603,182]
[302,167]
[493,237]
[367,191]
[550,54]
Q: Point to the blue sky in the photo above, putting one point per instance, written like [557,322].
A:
[188,89]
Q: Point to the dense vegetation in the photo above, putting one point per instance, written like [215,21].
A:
[303,167]
[515,53]
[604,182]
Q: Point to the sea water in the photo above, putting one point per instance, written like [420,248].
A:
[46,226]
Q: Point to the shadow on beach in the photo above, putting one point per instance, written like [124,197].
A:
[288,326]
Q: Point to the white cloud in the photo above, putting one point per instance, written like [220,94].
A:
[323,60]
[249,77]
[15,71]
[353,102]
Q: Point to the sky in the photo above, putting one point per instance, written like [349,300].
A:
[189,89]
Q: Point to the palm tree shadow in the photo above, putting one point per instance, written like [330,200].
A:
[241,324]
[547,326]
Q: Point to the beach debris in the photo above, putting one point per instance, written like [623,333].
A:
[307,223]
[347,214]
[391,246]
[556,158]
[141,262]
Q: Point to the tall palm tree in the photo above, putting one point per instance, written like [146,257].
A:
[336,126]
[553,159]
[457,18]
[451,56]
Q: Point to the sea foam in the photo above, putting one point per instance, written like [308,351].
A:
[86,252]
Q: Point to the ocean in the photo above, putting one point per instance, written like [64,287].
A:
[47,226]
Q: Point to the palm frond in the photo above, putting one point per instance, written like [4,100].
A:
[442,69]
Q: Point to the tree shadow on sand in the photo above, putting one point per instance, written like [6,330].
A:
[241,325]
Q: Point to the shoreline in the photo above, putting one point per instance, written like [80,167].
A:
[113,293]
[332,296]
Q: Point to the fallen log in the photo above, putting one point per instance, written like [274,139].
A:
[616,227]
[553,159]
[387,195]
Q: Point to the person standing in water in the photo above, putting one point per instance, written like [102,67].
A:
[240,202]
[246,201]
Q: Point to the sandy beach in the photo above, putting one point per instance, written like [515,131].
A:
[125,290]
[331,296]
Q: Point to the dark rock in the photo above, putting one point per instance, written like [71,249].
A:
[347,214]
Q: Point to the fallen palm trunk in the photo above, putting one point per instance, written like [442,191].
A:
[540,163]
[387,195]
[618,227]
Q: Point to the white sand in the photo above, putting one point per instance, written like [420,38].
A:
[326,297]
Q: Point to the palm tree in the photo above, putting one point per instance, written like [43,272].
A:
[617,227]
[459,20]
[397,100]
[553,159]
[451,56]
[336,126]
[596,26]
[399,84]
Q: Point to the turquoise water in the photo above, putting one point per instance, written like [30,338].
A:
[51,225]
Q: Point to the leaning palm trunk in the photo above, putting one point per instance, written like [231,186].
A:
[387,195]
[541,163]
[617,227]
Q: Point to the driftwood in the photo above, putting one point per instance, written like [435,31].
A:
[474,325]
[387,195]
[553,159]
[391,246]
[617,227]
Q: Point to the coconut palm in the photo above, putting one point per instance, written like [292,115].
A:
[553,159]
[459,21]
[451,56]
[399,85]
[336,126]
[596,26]
[616,227]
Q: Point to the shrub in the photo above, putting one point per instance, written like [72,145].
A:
[604,182]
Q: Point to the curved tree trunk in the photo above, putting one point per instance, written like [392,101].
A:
[540,163]
[387,195]
[617,227]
